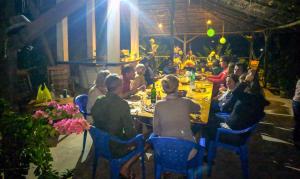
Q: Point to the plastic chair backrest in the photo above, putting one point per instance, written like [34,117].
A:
[81,101]
[248,130]
[172,153]
[101,142]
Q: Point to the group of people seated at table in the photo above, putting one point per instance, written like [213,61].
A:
[237,92]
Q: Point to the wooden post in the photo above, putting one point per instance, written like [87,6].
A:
[172,23]
[266,58]
[113,31]
[184,45]
[134,28]
[91,29]
[62,46]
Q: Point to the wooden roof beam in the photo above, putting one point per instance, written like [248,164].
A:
[47,20]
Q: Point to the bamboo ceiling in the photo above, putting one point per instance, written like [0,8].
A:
[236,15]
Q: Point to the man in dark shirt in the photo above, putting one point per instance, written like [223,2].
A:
[111,114]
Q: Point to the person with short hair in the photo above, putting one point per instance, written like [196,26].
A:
[240,69]
[98,89]
[111,114]
[149,74]
[128,74]
[217,104]
[139,79]
[177,123]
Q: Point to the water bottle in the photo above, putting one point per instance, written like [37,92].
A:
[192,80]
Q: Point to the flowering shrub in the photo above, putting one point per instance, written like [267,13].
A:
[69,126]
[62,117]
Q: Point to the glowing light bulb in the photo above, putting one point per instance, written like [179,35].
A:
[210,32]
[209,22]
[222,40]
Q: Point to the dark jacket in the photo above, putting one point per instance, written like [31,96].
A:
[112,115]
[248,108]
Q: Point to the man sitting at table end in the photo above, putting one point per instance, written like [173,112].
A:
[111,114]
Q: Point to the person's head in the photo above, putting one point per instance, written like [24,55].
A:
[113,84]
[170,84]
[128,72]
[231,81]
[224,61]
[140,69]
[231,67]
[100,80]
[254,86]
[240,68]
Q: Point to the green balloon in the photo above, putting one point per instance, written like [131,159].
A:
[210,32]
[222,40]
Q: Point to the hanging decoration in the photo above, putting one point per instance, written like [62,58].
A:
[222,39]
[210,32]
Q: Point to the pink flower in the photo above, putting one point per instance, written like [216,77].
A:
[40,114]
[69,126]
[53,104]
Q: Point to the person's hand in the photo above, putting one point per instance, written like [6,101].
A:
[249,77]
[142,88]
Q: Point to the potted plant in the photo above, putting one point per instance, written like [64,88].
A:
[23,141]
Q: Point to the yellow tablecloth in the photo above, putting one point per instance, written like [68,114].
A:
[201,95]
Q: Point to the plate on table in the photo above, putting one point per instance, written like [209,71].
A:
[134,98]
[149,109]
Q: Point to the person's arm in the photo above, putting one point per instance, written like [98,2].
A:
[156,126]
[194,107]
[215,76]
[97,109]
[221,79]
[127,121]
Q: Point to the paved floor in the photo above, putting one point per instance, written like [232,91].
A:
[271,151]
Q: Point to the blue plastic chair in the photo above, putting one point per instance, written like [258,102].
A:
[223,115]
[101,142]
[241,149]
[171,155]
[81,101]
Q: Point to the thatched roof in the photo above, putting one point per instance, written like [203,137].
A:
[237,15]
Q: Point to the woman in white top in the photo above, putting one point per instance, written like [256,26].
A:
[172,115]
[99,89]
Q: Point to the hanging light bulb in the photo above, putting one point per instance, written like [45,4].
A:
[222,40]
[208,22]
[210,32]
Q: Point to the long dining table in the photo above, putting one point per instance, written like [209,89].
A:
[200,92]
